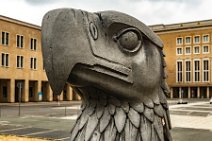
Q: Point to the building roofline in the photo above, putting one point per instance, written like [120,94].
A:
[181,26]
[155,28]
[11,20]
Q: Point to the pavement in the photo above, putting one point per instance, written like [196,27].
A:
[190,122]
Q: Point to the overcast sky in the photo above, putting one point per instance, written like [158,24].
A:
[148,11]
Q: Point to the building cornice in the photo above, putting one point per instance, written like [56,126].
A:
[15,21]
[179,27]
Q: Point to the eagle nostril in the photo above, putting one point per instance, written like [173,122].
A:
[93,31]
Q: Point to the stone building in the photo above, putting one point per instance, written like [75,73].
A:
[188,56]
[21,64]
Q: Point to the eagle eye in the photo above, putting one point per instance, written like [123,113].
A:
[129,39]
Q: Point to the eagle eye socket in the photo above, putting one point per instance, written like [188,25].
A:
[129,39]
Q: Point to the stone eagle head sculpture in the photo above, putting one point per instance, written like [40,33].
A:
[115,63]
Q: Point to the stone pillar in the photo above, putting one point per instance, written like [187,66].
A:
[39,96]
[11,94]
[78,97]
[61,96]
[198,92]
[35,89]
[208,92]
[69,94]
[189,92]
[180,92]
[171,92]
[25,89]
[49,93]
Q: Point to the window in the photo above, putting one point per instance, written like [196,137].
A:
[205,49]
[33,44]
[206,70]
[5,38]
[196,70]
[179,41]
[187,50]
[205,38]
[179,71]
[19,61]
[31,92]
[188,40]
[5,60]
[188,70]
[196,39]
[196,50]
[33,63]
[4,91]
[179,51]
[19,41]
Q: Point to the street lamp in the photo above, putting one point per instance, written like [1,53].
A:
[20,86]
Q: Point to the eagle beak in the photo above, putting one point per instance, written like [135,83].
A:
[53,54]
[62,45]
[60,38]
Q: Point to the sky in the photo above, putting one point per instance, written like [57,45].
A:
[150,12]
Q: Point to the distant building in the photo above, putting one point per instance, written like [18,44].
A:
[188,56]
[188,49]
[21,62]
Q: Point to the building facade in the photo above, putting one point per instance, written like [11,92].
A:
[22,76]
[188,49]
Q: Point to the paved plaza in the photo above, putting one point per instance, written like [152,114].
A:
[190,122]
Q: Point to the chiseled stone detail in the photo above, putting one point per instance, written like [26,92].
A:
[116,64]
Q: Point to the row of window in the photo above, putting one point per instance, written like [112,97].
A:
[5,38]
[19,61]
[196,50]
[185,67]
[5,91]
[196,39]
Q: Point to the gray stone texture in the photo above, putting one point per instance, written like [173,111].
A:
[116,64]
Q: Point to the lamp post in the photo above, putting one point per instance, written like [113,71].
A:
[19,85]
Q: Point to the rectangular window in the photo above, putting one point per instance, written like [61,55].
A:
[179,41]
[205,49]
[19,41]
[5,60]
[19,61]
[179,51]
[33,63]
[5,38]
[188,71]
[196,50]
[206,70]
[205,38]
[179,71]
[196,39]
[187,50]
[4,91]
[188,40]
[33,44]
[196,70]
[31,92]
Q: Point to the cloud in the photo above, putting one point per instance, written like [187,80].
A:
[40,2]
[148,11]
